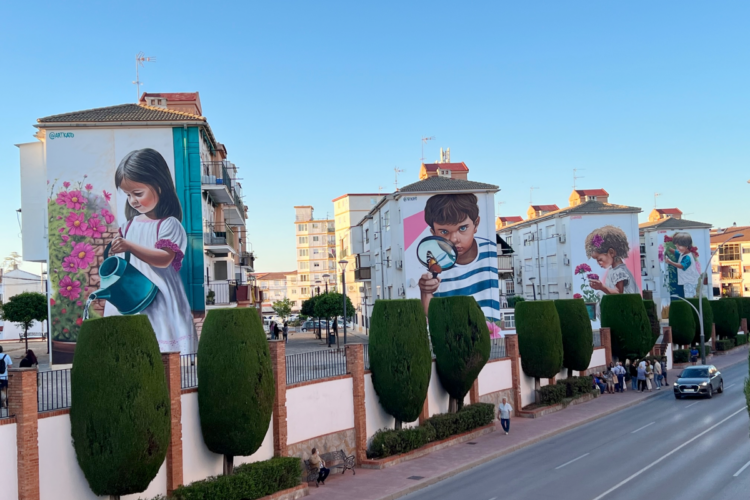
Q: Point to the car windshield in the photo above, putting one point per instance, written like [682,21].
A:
[695,373]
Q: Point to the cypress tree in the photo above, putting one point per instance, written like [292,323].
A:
[726,317]
[540,341]
[461,341]
[682,322]
[577,336]
[708,320]
[236,385]
[120,412]
[400,358]
[626,317]
[653,318]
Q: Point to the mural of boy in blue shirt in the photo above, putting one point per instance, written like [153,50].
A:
[455,217]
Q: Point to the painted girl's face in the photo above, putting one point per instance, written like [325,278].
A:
[142,197]
[682,249]
[461,234]
[605,260]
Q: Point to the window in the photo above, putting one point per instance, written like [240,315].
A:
[304,291]
[303,277]
[367,237]
[643,248]
[304,265]
[509,320]
[303,241]
[387,258]
[387,220]
[315,226]
[510,287]
[315,240]
[730,252]
[294,292]
[390,290]
[301,227]
[304,252]
[153,101]
[159,101]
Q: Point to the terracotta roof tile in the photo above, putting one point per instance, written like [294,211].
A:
[123,113]
[592,192]
[447,184]
[454,167]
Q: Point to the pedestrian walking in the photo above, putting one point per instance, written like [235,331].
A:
[634,375]
[503,414]
[620,377]
[272,329]
[609,378]
[5,364]
[285,332]
[664,369]
[694,355]
[641,376]
[318,463]
[657,374]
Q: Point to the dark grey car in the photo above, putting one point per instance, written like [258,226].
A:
[699,380]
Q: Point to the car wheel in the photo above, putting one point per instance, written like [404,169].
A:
[710,392]
[721,387]
[678,396]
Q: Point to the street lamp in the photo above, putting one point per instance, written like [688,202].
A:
[343,264]
[317,286]
[701,281]
[533,288]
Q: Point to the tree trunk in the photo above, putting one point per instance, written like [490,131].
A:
[537,388]
[228,465]
[452,405]
[26,337]
[114,497]
[398,425]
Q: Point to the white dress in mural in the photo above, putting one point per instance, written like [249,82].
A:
[169,313]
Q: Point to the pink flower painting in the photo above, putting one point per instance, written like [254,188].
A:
[70,289]
[108,217]
[75,200]
[66,184]
[84,254]
[62,198]
[89,187]
[107,196]
[95,227]
[76,224]
[575,296]
[597,241]
[582,268]
[65,239]
[70,264]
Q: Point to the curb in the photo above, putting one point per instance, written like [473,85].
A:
[519,446]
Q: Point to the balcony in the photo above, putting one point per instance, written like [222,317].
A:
[247,259]
[730,273]
[505,263]
[363,273]
[222,292]
[219,238]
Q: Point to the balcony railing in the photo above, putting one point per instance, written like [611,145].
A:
[216,172]
[504,263]
[363,273]
[224,292]
[219,234]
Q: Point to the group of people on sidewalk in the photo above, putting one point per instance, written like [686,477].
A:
[277,331]
[642,375]
[29,360]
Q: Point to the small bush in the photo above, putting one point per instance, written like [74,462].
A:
[249,481]
[724,345]
[577,336]
[741,339]
[682,322]
[468,418]
[626,317]
[708,319]
[681,356]
[552,394]
[726,317]
[575,386]
[389,442]
[512,301]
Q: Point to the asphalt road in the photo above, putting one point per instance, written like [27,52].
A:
[662,448]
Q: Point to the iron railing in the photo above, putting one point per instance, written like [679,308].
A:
[219,234]
[367,356]
[225,292]
[188,371]
[4,412]
[53,390]
[314,365]
[597,339]
[497,348]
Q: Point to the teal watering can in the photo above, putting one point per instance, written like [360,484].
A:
[124,286]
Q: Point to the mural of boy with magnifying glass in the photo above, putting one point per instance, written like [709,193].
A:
[455,218]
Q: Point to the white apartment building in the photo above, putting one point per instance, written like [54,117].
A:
[316,252]
[731,264]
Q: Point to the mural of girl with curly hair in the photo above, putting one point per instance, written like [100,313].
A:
[609,246]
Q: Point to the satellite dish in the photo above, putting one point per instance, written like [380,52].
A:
[436,254]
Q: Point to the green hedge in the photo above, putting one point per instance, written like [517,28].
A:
[626,317]
[461,342]
[577,336]
[400,358]
[725,345]
[515,300]
[236,389]
[388,442]
[708,319]
[539,338]
[575,386]
[741,339]
[552,394]
[120,412]
[682,322]
[744,309]
[726,317]
[653,318]
[681,355]
[249,481]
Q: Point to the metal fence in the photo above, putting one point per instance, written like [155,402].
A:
[497,348]
[597,339]
[225,292]
[4,412]
[315,365]
[367,356]
[53,390]
[188,371]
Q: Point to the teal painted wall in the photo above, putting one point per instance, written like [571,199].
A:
[187,168]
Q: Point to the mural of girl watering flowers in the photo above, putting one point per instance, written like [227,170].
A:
[683,256]
[609,246]
[155,239]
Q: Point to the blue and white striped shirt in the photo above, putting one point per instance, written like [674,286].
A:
[478,279]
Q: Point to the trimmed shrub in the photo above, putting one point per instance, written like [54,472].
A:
[236,389]
[120,412]
[682,322]
[539,339]
[400,358]
[708,319]
[249,481]
[681,355]
[575,386]
[552,394]
[653,318]
[741,339]
[744,308]
[726,317]
[625,316]
[515,300]
[468,418]
[725,345]
[461,342]
[577,336]
[389,442]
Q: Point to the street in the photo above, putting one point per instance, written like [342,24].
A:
[662,448]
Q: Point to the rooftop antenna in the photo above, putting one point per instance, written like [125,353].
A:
[576,177]
[140,58]
[499,203]
[380,189]
[397,171]
[531,195]
[432,138]
[656,195]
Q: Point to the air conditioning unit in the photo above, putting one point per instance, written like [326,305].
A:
[399,264]
[568,286]
[375,236]
[561,238]
[361,289]
[401,291]
[519,280]
[566,261]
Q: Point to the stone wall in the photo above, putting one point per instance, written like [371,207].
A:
[342,440]
[93,280]
[496,397]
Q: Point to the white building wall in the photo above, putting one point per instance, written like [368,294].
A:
[336,414]
[9,461]
[33,205]
[496,376]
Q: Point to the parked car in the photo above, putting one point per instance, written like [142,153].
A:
[699,380]
[310,325]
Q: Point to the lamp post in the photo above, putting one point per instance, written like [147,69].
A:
[701,281]
[317,286]
[326,277]
[533,288]
[343,264]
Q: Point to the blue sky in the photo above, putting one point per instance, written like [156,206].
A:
[317,99]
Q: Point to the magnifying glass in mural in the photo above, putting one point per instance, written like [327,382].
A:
[436,254]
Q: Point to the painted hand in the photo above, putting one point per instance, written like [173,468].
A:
[428,284]
[120,245]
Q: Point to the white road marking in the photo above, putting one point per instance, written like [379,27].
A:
[493,498]
[691,404]
[727,387]
[740,471]
[568,463]
[641,428]
[664,457]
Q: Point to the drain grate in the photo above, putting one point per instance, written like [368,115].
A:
[471,442]
[415,478]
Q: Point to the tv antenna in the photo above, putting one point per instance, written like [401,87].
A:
[531,195]
[576,177]
[397,171]
[380,190]
[432,138]
[656,195]
[140,58]
[499,204]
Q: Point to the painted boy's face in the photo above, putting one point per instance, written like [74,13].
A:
[682,249]
[461,235]
[605,260]
[142,197]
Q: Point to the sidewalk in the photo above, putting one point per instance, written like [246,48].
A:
[394,482]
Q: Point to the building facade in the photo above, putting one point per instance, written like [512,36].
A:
[316,252]
[731,264]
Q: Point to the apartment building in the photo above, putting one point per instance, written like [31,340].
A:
[316,251]
[274,287]
[731,264]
